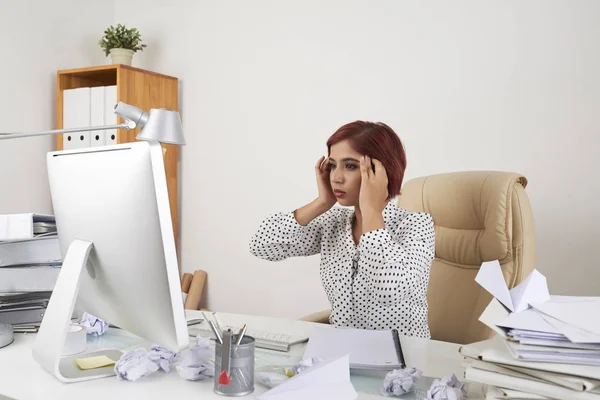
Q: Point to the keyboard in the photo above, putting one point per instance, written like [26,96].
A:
[263,340]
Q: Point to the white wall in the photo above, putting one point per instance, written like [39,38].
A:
[504,85]
[38,38]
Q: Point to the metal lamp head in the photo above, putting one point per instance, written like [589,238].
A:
[131,114]
[161,125]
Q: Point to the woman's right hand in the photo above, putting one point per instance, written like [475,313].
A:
[326,198]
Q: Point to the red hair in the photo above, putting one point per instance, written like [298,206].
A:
[379,141]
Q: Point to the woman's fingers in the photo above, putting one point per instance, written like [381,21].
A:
[319,166]
[364,167]
[379,169]
[325,165]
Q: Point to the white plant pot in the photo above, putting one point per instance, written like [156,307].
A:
[121,56]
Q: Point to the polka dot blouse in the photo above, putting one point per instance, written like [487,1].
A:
[379,284]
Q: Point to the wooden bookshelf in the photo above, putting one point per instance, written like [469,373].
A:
[137,87]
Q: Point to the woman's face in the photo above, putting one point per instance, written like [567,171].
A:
[344,173]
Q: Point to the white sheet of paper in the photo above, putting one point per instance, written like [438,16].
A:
[581,314]
[491,279]
[572,332]
[533,289]
[340,391]
[572,299]
[494,313]
[329,377]
[565,344]
[528,320]
[538,335]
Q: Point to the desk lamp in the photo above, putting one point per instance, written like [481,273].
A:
[160,125]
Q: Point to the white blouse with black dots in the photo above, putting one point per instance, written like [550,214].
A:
[379,284]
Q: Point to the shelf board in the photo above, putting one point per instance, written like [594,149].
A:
[103,75]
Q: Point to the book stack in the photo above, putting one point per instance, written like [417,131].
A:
[546,347]
[30,261]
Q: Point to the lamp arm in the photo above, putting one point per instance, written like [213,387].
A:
[126,125]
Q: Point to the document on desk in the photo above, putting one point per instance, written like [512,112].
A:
[327,380]
[582,314]
[368,349]
[529,320]
[573,332]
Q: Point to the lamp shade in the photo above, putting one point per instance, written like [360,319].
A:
[163,126]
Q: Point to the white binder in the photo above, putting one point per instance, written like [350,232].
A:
[110,118]
[97,138]
[76,114]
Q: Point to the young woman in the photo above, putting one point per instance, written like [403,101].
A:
[375,257]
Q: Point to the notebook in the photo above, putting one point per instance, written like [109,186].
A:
[368,349]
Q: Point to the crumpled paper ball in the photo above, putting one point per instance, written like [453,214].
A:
[304,364]
[275,375]
[447,388]
[163,358]
[93,325]
[195,363]
[400,381]
[134,364]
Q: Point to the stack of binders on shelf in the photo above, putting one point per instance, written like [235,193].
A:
[89,106]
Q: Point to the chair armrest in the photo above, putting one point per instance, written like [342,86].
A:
[321,317]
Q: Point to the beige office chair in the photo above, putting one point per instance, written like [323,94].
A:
[478,216]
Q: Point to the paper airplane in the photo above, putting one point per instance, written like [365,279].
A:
[533,289]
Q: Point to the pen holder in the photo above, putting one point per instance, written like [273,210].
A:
[241,369]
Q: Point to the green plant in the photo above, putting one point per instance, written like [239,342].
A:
[120,37]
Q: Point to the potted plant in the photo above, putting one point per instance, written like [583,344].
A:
[121,43]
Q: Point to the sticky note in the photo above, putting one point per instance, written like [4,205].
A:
[94,362]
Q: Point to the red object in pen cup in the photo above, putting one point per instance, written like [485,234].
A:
[225,378]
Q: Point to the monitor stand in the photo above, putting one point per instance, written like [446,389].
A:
[50,340]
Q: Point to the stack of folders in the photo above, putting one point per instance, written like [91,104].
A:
[30,261]
[546,347]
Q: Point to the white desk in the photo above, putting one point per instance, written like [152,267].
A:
[22,378]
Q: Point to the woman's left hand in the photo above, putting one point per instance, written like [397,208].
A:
[373,187]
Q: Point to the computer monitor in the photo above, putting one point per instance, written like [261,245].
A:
[120,264]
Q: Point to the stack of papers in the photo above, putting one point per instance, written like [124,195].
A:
[546,345]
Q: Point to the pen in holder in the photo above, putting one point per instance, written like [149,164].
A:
[234,365]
